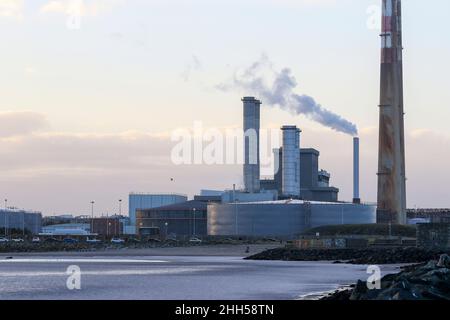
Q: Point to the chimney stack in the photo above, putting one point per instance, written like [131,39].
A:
[251,144]
[291,162]
[391,200]
[356,197]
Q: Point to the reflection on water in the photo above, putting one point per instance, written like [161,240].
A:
[41,260]
[176,278]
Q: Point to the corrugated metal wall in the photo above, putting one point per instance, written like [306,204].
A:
[283,219]
[17,219]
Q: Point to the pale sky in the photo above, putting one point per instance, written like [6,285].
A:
[87,110]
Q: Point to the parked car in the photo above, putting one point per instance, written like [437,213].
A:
[70,240]
[52,240]
[117,241]
[93,241]
[17,240]
[36,240]
[195,240]
[3,240]
[154,240]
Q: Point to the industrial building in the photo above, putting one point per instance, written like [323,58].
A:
[19,221]
[66,225]
[147,201]
[283,218]
[297,173]
[84,226]
[107,226]
[429,215]
[240,196]
[298,197]
[67,229]
[184,219]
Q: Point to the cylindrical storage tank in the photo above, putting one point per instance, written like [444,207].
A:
[283,218]
[252,108]
[291,161]
[255,219]
[325,214]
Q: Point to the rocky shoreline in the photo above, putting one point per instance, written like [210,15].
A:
[352,256]
[427,281]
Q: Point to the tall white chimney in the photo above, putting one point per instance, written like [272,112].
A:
[251,144]
[356,197]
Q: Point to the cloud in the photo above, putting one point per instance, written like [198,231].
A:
[63,172]
[11,9]
[145,159]
[21,123]
[79,7]
[101,153]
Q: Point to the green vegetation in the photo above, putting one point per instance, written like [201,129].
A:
[363,229]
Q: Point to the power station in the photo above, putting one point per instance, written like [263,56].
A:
[298,197]
[391,203]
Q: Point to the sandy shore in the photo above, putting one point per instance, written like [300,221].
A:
[206,250]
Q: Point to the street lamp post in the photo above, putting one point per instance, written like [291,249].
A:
[92,217]
[23,224]
[167,225]
[108,227]
[235,211]
[194,220]
[120,215]
[6,215]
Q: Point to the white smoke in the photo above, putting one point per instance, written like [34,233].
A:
[276,88]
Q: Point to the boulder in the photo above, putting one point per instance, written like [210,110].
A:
[444,261]
[430,281]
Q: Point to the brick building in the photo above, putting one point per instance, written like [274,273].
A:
[107,226]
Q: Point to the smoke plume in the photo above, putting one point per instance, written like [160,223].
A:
[276,88]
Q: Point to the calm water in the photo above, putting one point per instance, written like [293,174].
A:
[179,278]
